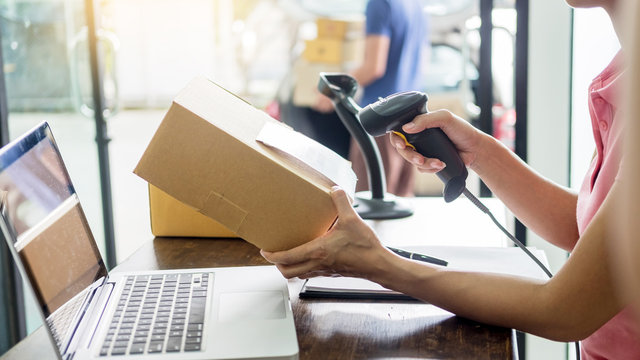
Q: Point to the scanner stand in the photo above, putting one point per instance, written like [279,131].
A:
[375,204]
[390,207]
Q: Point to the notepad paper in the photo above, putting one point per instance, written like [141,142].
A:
[502,260]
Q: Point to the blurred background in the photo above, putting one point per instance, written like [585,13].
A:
[481,59]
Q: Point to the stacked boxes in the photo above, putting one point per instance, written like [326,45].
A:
[334,28]
[338,47]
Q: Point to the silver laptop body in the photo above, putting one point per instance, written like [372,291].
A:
[210,313]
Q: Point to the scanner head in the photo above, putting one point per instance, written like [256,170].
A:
[337,86]
[390,113]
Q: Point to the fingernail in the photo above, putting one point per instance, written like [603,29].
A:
[335,188]
[409,126]
[437,164]
[417,160]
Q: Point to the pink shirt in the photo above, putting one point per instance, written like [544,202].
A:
[616,339]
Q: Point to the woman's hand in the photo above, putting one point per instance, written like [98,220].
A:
[349,248]
[464,136]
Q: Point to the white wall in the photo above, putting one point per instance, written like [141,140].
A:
[163,45]
[548,122]
[594,45]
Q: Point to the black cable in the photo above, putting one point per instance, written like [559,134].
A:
[486,210]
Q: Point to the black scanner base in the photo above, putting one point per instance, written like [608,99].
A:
[391,207]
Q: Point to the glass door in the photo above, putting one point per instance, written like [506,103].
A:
[46,70]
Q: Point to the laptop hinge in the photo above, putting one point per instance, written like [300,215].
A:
[94,310]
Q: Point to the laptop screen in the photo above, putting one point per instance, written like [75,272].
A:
[46,225]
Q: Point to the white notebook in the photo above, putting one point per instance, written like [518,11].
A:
[501,260]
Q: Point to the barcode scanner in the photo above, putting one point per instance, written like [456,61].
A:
[388,115]
[391,113]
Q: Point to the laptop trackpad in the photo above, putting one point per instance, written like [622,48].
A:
[243,306]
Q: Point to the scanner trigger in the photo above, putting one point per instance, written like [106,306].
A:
[406,142]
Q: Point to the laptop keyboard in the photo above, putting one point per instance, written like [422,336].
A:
[60,321]
[159,314]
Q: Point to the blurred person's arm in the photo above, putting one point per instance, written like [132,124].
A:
[374,63]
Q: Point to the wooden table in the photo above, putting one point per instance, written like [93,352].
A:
[327,329]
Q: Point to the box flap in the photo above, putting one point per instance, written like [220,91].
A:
[325,162]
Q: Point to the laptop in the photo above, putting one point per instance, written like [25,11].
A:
[90,313]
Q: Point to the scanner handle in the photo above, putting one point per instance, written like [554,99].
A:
[391,113]
[434,143]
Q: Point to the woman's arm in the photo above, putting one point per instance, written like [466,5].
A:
[570,306]
[576,302]
[543,206]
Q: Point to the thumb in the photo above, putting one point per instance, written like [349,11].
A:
[342,203]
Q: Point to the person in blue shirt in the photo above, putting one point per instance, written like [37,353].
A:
[397,33]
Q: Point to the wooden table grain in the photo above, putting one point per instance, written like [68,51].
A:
[334,329]
[344,329]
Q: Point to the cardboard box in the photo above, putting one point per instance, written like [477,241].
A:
[340,28]
[306,76]
[334,51]
[235,164]
[170,217]
[353,52]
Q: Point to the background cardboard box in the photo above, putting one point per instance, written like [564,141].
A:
[205,154]
[170,217]
[307,75]
[338,47]
[340,28]
[328,51]
[333,51]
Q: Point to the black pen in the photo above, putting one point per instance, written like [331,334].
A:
[419,257]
